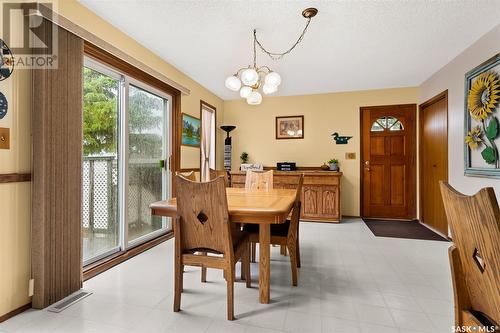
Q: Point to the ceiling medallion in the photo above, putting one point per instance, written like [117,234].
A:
[248,80]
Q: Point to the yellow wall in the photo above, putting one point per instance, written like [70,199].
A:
[14,215]
[323,115]
[15,220]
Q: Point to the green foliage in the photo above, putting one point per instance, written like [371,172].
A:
[244,157]
[492,129]
[333,161]
[99,113]
[100,123]
[489,155]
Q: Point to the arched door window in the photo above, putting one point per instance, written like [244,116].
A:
[387,123]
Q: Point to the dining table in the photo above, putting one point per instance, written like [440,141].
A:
[262,207]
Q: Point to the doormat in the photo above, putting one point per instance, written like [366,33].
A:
[402,229]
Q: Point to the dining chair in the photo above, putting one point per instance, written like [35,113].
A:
[188,175]
[286,234]
[258,180]
[220,173]
[203,225]
[475,256]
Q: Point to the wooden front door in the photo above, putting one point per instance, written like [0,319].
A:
[388,176]
[433,160]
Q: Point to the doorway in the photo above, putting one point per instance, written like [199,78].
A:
[433,139]
[388,164]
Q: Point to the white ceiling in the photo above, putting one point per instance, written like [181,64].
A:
[350,45]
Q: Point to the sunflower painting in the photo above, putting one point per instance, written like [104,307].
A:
[482,132]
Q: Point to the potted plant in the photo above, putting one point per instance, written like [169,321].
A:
[244,158]
[334,164]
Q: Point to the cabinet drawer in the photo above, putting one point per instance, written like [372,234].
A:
[321,180]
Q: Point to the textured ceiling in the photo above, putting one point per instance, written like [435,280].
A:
[350,45]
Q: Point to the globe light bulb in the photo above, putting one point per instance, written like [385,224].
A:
[254,98]
[245,91]
[273,79]
[267,89]
[233,83]
[249,77]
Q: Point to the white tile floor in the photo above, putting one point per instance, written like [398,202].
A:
[350,281]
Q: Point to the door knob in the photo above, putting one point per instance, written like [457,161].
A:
[367,165]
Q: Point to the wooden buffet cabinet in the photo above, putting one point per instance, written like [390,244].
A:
[320,192]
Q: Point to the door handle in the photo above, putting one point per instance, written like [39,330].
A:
[367,165]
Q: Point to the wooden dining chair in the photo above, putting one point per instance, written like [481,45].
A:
[475,255]
[219,173]
[188,175]
[286,234]
[258,180]
[203,225]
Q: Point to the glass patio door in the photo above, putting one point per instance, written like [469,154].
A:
[148,112]
[126,131]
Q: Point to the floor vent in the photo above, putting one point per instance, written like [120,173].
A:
[69,301]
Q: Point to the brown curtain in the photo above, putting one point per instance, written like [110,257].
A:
[57,170]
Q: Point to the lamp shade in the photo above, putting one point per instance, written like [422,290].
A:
[254,98]
[273,79]
[244,91]
[233,83]
[249,77]
[267,89]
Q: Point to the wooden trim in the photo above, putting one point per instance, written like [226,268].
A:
[101,55]
[282,117]
[209,106]
[101,266]
[15,178]
[189,169]
[413,209]
[421,107]
[15,312]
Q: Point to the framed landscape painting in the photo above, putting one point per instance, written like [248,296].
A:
[191,131]
[482,132]
[290,127]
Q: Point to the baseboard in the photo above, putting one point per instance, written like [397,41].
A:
[435,230]
[15,312]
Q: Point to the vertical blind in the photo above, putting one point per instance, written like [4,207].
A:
[57,163]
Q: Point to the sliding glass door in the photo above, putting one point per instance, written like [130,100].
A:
[126,143]
[147,151]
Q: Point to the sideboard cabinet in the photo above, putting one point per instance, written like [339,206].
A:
[320,192]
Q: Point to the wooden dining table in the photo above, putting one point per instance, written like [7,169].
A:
[262,207]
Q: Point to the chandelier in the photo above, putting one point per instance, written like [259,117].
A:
[248,80]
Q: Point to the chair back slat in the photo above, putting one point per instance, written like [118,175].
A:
[258,180]
[188,175]
[204,218]
[294,220]
[219,173]
[475,230]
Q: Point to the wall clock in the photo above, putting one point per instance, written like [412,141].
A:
[6,61]
[3,105]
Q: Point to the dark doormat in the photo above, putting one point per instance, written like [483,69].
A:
[402,229]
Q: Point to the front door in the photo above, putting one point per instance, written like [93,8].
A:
[388,174]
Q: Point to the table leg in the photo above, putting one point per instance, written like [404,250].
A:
[264,262]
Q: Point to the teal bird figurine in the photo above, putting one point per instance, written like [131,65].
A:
[340,140]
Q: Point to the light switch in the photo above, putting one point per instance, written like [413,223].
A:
[350,156]
[4,138]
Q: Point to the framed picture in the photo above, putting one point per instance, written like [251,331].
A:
[191,131]
[290,127]
[482,132]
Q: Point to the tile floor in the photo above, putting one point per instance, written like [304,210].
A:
[350,281]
